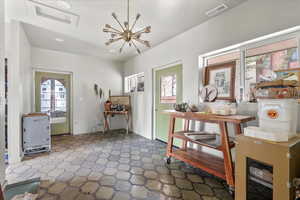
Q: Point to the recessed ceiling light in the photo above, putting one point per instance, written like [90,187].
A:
[59,39]
[112,51]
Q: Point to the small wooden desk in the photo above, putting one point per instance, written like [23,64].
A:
[221,167]
[110,113]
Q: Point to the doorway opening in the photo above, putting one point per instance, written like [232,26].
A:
[53,96]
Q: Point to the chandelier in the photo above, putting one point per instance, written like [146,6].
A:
[127,33]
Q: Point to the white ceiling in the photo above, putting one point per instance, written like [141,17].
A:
[167,18]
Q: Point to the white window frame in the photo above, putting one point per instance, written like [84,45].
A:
[126,86]
[243,47]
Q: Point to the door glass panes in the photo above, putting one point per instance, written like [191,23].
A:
[60,97]
[168,89]
[46,96]
[53,98]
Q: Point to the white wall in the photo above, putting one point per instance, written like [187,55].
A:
[138,117]
[87,71]
[250,20]
[18,51]
[2,135]
[25,71]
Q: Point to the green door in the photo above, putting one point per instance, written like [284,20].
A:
[52,96]
[168,91]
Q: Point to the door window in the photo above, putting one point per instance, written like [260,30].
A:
[168,89]
[53,97]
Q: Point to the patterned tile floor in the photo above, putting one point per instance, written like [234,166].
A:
[114,166]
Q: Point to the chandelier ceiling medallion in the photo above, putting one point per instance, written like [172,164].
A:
[127,33]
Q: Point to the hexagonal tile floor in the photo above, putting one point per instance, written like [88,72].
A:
[114,166]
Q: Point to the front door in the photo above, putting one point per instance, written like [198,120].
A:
[52,96]
[168,91]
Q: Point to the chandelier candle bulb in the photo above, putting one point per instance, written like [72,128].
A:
[126,25]
[138,16]
[148,29]
[121,49]
[114,15]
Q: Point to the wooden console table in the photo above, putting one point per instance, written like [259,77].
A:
[110,113]
[220,167]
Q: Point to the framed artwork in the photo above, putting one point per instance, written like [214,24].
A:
[221,76]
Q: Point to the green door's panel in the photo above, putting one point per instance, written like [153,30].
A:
[162,120]
[57,128]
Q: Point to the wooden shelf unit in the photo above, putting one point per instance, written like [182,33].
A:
[126,115]
[217,166]
[211,143]
[210,163]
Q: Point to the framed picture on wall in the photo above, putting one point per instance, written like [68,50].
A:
[222,76]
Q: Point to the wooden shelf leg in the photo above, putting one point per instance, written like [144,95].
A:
[186,128]
[1,194]
[170,137]
[238,129]
[106,124]
[227,154]
[127,123]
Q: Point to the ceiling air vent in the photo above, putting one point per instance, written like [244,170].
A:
[217,10]
[48,12]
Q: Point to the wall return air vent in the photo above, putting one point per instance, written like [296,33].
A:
[217,10]
[48,12]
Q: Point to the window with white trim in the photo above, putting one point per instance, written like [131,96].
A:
[134,83]
[260,61]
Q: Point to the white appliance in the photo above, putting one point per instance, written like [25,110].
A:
[278,120]
[36,133]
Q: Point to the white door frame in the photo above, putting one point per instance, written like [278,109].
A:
[71,92]
[154,70]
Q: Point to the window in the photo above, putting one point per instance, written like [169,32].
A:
[260,63]
[134,83]
[130,84]
[223,58]
[53,97]
[140,82]
[168,89]
[263,63]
